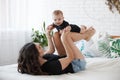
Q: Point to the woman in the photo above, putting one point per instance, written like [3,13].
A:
[34,60]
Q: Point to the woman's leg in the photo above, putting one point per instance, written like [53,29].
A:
[77,53]
[86,36]
[75,37]
[58,44]
[71,39]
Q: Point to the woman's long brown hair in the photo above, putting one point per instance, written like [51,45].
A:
[28,61]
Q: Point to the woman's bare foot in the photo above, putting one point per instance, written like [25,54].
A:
[89,33]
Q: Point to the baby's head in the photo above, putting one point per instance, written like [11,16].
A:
[58,17]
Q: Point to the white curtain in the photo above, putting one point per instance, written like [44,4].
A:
[17,18]
[14,29]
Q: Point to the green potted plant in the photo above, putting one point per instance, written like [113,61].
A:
[39,36]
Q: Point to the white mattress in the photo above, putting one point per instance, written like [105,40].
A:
[97,69]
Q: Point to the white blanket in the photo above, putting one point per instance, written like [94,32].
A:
[96,69]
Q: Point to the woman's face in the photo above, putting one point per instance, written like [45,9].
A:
[39,48]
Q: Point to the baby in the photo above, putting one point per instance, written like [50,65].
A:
[59,23]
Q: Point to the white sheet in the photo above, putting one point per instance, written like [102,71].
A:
[96,69]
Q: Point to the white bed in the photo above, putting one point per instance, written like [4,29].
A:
[96,69]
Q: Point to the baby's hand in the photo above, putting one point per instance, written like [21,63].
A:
[50,27]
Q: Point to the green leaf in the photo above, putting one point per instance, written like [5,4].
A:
[39,37]
[44,25]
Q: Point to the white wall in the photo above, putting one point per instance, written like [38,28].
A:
[88,12]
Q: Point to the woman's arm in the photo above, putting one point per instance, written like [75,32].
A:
[51,48]
[69,52]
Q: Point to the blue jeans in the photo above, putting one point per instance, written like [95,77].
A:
[78,65]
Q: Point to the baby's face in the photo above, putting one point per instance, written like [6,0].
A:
[58,19]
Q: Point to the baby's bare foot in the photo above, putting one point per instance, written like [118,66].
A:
[89,33]
[83,29]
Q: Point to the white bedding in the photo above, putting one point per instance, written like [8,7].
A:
[97,69]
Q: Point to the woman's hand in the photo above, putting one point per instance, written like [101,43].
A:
[65,32]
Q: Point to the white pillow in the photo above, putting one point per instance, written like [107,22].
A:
[88,48]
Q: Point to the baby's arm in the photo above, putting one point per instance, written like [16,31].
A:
[50,27]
